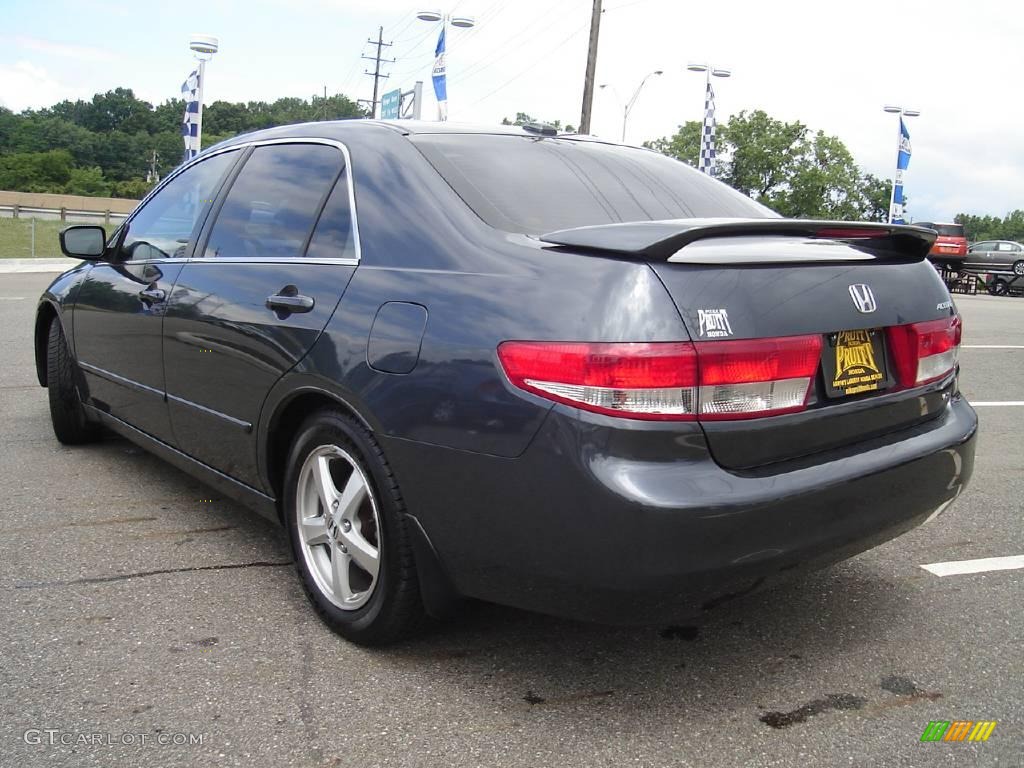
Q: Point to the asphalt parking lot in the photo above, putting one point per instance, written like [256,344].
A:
[138,603]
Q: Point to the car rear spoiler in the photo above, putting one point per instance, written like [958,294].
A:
[660,240]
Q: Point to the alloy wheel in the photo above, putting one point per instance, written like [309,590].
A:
[338,526]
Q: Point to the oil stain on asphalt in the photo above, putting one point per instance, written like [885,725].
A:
[833,701]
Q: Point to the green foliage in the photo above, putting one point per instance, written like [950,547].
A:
[784,166]
[1010,227]
[36,171]
[106,144]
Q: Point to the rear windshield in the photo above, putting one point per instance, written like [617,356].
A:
[534,186]
[946,230]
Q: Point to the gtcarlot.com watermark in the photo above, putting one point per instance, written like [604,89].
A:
[52,737]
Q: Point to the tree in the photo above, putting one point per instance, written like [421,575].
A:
[87,181]
[36,171]
[785,167]
[684,145]
[1010,227]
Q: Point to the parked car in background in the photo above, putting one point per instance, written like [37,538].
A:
[950,248]
[999,262]
[543,370]
[996,256]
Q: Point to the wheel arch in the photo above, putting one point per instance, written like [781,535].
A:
[288,415]
[46,313]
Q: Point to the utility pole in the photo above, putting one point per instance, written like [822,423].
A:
[588,81]
[376,74]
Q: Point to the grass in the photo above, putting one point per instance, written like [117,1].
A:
[16,238]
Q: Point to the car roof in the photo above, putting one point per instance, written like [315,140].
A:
[340,129]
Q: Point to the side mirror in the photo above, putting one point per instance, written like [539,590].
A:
[83,241]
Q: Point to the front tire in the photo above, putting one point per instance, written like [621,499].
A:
[345,518]
[67,414]
[1018,268]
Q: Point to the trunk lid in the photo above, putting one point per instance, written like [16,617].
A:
[777,278]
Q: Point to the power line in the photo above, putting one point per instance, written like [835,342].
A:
[536,62]
[497,55]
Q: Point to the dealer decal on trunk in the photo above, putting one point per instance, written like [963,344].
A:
[856,368]
[714,323]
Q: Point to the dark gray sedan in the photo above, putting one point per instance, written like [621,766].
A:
[543,370]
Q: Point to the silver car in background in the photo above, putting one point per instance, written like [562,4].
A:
[1000,261]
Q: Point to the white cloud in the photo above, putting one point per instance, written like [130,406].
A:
[27,86]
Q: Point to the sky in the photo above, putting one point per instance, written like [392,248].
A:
[831,65]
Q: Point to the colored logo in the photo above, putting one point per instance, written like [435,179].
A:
[856,367]
[958,730]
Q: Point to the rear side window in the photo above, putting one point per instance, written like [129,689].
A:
[532,185]
[334,237]
[274,202]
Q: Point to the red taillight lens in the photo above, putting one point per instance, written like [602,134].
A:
[668,380]
[756,377]
[640,380]
[925,352]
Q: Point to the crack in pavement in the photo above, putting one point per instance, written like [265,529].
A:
[144,574]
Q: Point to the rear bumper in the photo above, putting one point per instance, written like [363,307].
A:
[591,522]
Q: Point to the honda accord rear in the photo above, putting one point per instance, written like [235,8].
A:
[542,370]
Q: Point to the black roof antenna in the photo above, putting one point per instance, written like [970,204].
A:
[541,129]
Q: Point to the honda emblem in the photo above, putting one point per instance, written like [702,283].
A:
[863,298]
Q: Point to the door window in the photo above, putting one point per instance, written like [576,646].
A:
[162,229]
[274,202]
[333,237]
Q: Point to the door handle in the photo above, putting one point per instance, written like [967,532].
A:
[290,300]
[152,295]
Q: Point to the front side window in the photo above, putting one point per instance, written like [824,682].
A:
[274,202]
[162,229]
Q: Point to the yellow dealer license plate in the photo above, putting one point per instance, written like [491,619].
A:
[854,362]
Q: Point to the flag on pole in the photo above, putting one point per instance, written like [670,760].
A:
[896,213]
[440,81]
[190,122]
[707,136]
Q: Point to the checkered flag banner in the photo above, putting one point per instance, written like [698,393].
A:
[190,122]
[707,135]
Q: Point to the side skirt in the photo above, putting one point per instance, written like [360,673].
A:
[265,506]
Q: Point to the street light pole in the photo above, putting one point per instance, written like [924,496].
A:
[897,178]
[440,63]
[588,77]
[705,162]
[203,47]
[628,106]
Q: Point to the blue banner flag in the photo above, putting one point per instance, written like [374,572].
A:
[896,214]
[440,81]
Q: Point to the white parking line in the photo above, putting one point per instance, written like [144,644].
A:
[997,404]
[992,346]
[957,567]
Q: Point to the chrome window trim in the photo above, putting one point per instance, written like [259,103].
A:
[262,143]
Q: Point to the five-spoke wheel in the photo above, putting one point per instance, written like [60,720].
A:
[339,526]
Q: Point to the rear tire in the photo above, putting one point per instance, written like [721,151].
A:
[1018,268]
[346,522]
[67,414]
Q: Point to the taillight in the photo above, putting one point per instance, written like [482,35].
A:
[669,380]
[639,380]
[925,352]
[756,377]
